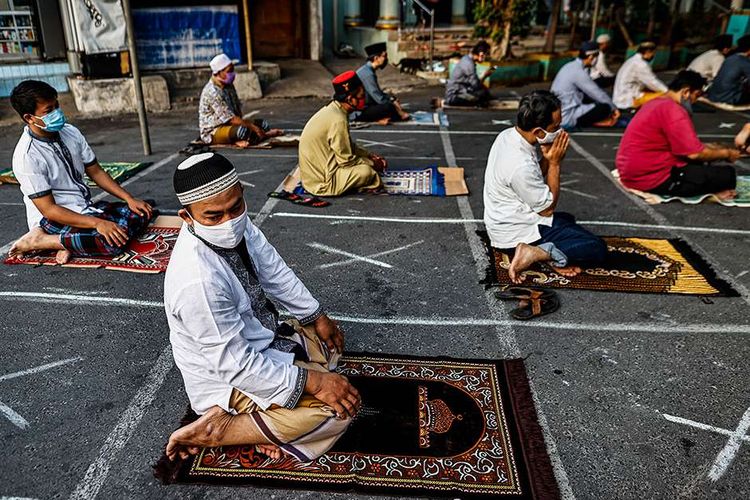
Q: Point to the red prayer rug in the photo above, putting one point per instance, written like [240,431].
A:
[427,426]
[149,253]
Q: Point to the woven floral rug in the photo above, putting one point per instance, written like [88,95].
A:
[639,265]
[148,253]
[435,427]
[119,171]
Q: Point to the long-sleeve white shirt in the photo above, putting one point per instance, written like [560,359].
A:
[600,68]
[217,342]
[634,77]
[708,64]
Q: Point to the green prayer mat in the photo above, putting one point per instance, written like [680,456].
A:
[118,170]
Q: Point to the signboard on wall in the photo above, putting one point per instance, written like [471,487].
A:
[186,37]
[100,25]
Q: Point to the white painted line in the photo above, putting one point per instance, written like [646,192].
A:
[418,220]
[4,249]
[505,334]
[40,368]
[579,193]
[17,498]
[727,455]
[657,217]
[13,417]
[269,205]
[701,426]
[655,327]
[248,184]
[126,426]
[250,172]
[11,204]
[379,254]
[360,258]
[62,298]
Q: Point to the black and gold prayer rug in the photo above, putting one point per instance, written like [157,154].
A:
[427,426]
[639,265]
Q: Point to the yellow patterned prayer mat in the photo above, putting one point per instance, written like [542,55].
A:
[435,427]
[639,265]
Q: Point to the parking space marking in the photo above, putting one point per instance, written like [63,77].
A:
[354,256]
[14,417]
[727,454]
[427,220]
[379,254]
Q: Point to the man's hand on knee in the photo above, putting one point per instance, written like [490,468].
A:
[112,233]
[330,333]
[335,391]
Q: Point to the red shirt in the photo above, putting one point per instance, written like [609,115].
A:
[659,137]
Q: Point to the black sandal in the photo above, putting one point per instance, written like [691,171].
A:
[536,307]
[511,292]
[308,201]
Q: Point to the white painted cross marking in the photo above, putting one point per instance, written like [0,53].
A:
[354,256]
[367,143]
[14,417]
[727,455]
[379,254]
[249,172]
[726,125]
[502,122]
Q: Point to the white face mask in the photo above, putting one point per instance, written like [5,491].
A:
[549,137]
[228,234]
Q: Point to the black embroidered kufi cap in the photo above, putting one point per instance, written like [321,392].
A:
[202,176]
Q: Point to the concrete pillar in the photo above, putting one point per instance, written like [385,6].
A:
[353,14]
[458,12]
[389,18]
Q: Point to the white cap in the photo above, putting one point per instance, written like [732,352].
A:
[219,62]
[603,38]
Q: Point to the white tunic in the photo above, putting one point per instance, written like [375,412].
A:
[708,64]
[514,192]
[217,342]
[42,168]
[634,77]
[600,68]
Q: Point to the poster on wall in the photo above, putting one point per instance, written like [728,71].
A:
[186,37]
[100,25]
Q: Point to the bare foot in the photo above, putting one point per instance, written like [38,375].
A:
[242,144]
[28,242]
[270,450]
[62,257]
[525,256]
[274,132]
[568,271]
[208,430]
[384,121]
[405,117]
[741,140]
[729,194]
[609,122]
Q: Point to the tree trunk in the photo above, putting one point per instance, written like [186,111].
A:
[573,29]
[549,43]
[666,38]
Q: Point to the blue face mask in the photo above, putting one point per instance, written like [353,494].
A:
[687,105]
[53,121]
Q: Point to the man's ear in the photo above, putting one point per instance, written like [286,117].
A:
[184,215]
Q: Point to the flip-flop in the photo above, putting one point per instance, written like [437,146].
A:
[522,293]
[536,307]
[308,201]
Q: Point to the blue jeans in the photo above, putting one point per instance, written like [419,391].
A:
[577,245]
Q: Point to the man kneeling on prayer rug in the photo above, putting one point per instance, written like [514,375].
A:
[255,381]
[50,161]
[521,192]
[330,162]
[220,112]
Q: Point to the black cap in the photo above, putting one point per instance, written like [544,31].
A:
[589,47]
[202,176]
[743,44]
[375,49]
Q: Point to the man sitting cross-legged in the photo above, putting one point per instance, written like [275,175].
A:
[380,107]
[255,381]
[330,162]
[661,153]
[521,193]
[220,111]
[49,162]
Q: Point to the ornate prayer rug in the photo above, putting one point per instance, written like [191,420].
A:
[639,265]
[119,171]
[741,200]
[436,427]
[149,253]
